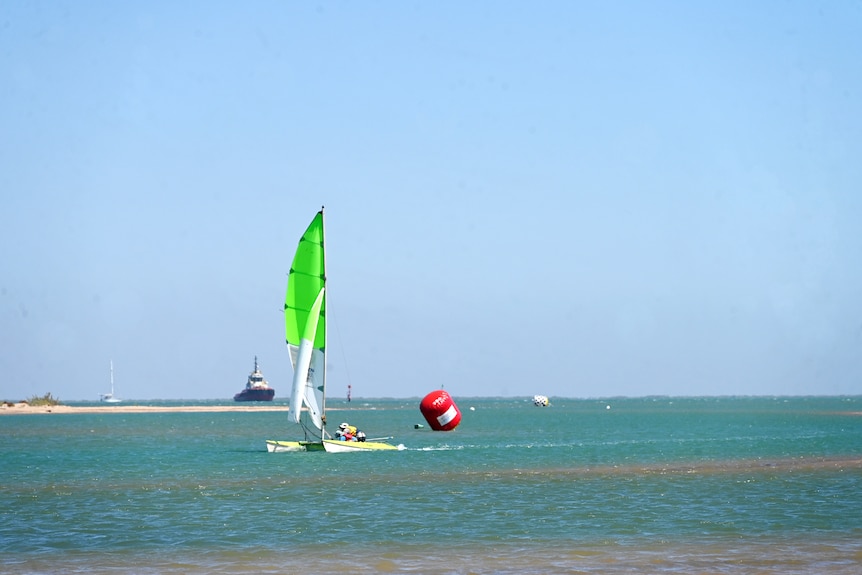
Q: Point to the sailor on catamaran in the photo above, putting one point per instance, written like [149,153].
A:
[347,432]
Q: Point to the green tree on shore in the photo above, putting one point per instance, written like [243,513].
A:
[46,399]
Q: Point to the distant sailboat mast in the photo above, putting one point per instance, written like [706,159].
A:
[109,397]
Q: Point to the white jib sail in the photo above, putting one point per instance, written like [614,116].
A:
[305,373]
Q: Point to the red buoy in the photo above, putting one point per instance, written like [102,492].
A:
[440,411]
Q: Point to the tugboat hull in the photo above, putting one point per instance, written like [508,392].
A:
[255,395]
[257,389]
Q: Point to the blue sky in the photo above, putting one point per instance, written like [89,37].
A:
[577,199]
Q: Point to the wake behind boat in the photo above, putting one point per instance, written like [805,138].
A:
[305,333]
[256,389]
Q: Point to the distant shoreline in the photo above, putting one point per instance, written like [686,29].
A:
[23,409]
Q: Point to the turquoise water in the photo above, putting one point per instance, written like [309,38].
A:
[658,485]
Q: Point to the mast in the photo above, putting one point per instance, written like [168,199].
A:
[325,331]
[112,378]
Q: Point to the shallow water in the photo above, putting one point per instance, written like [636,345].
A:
[660,485]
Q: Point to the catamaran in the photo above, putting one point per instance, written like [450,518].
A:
[109,397]
[305,333]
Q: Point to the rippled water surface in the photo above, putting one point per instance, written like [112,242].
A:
[659,485]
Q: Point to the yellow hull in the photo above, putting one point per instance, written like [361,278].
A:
[337,446]
[328,445]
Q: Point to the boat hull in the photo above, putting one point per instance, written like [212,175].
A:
[255,395]
[275,446]
[337,446]
[328,445]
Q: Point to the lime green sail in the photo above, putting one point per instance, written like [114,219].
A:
[305,319]
[307,276]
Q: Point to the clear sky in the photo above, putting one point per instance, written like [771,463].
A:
[578,199]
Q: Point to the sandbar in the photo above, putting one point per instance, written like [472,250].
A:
[21,409]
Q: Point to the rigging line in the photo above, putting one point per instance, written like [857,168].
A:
[307,431]
[310,432]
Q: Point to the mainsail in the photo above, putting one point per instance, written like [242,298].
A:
[305,324]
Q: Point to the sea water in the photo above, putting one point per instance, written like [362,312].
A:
[621,485]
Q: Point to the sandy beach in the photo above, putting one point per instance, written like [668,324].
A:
[21,409]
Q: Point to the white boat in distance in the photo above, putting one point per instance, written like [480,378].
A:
[109,397]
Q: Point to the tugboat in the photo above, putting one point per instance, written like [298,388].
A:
[257,389]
